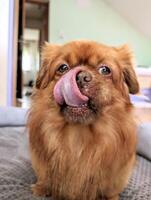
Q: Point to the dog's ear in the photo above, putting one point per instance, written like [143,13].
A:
[47,55]
[127,64]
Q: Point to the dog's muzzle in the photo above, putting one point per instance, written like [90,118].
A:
[68,88]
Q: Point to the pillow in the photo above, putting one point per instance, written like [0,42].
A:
[13,116]
[144,140]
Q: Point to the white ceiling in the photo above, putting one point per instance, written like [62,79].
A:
[137,12]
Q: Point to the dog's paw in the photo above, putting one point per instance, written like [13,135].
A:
[109,198]
[113,198]
[39,190]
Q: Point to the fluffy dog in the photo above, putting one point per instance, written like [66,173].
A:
[81,127]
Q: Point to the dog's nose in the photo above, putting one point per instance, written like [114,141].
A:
[83,78]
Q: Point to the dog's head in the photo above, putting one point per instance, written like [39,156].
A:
[81,79]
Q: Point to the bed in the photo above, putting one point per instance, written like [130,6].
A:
[16,174]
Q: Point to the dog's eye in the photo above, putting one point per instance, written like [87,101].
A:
[105,70]
[63,68]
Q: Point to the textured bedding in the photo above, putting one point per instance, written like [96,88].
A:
[16,173]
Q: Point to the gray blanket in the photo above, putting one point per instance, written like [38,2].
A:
[16,173]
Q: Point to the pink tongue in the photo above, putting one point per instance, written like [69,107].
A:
[66,90]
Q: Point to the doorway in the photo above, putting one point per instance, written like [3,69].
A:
[32,33]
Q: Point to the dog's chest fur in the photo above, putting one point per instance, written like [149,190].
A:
[81,161]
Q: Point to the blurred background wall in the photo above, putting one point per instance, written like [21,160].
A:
[113,22]
[96,20]
[4,27]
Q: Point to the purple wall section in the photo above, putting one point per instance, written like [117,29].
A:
[10,54]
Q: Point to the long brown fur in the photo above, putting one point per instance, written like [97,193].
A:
[94,158]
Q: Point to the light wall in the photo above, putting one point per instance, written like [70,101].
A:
[4,16]
[8,51]
[95,20]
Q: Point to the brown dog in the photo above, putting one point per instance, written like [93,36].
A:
[82,132]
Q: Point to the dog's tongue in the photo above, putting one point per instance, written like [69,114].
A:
[66,90]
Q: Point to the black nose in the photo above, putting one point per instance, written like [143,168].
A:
[83,78]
